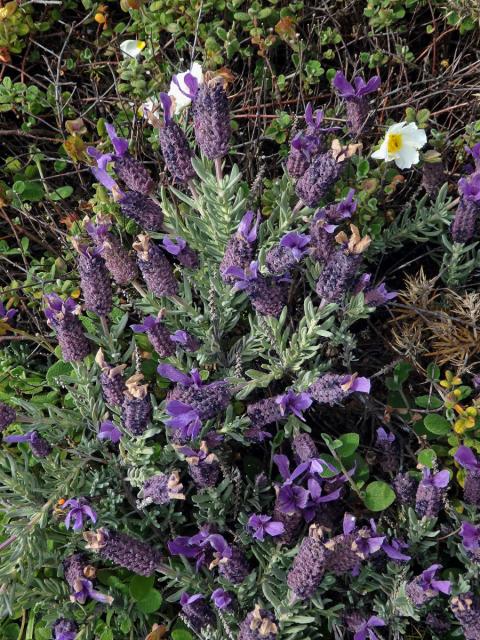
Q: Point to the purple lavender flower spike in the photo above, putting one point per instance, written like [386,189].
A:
[355,97]
[7,416]
[124,551]
[425,586]
[431,493]
[240,247]
[156,269]
[321,175]
[137,406]
[186,256]
[304,448]
[203,466]
[77,573]
[333,388]
[405,488]
[293,246]
[388,453]
[259,624]
[111,380]
[231,561]
[199,547]
[118,260]
[466,218]
[467,459]
[62,316]
[322,242]
[64,629]
[79,509]
[466,609]
[197,612]
[221,599]
[433,173]
[317,498]
[161,489]
[363,630]
[308,568]
[158,335]
[211,119]
[260,526]
[94,279]
[268,295]
[471,539]
[174,144]
[38,445]
[108,431]
[132,172]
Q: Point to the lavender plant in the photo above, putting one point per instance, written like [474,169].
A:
[215,444]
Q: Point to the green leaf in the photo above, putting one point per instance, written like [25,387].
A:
[181,634]
[437,424]
[378,496]
[151,602]
[58,370]
[140,587]
[428,402]
[350,442]
[427,458]
[433,372]
[62,192]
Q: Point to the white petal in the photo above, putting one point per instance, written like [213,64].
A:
[197,72]
[414,136]
[395,128]
[382,153]
[407,157]
[132,48]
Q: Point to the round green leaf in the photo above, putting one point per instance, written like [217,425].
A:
[437,424]
[140,587]
[378,496]
[427,458]
[151,602]
[350,442]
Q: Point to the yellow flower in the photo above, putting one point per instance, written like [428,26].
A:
[450,381]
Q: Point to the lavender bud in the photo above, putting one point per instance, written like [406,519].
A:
[259,624]
[207,400]
[198,613]
[240,248]
[7,416]
[134,175]
[264,412]
[161,489]
[235,568]
[320,176]
[405,488]
[124,551]
[176,152]
[322,243]
[203,467]
[304,448]
[64,629]
[268,295]
[211,119]
[431,493]
[62,317]
[339,273]
[297,161]
[333,388]
[137,406]
[466,609]
[308,567]
[111,380]
[471,487]
[342,556]
[74,567]
[118,261]
[292,523]
[465,220]
[433,173]
[387,456]
[94,280]
[158,335]
[142,209]
[39,446]
[156,269]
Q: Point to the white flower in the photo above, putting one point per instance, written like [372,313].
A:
[179,91]
[132,48]
[401,144]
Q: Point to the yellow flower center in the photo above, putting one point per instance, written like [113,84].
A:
[394,142]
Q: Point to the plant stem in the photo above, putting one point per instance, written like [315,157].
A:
[138,287]
[218,170]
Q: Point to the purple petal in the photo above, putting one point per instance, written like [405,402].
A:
[348,523]
[104,178]
[466,458]
[372,85]
[441,479]
[167,107]
[172,373]
[275,528]
[283,465]
[362,385]
[119,144]
[343,87]
[394,553]
[444,586]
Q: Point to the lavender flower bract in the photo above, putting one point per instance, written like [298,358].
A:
[354,96]
[211,119]
[79,509]
[471,490]
[425,586]
[156,269]
[293,246]
[259,624]
[62,316]
[161,489]
[7,416]
[239,250]
[333,388]
[431,493]
[158,335]
[64,629]
[174,144]
[186,256]
[111,380]
[94,280]
[118,260]
[137,406]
